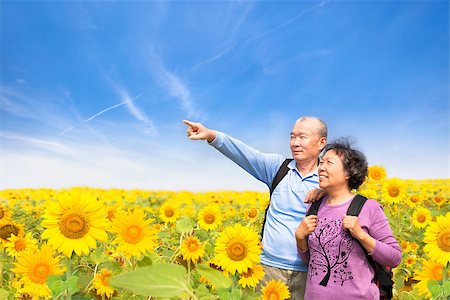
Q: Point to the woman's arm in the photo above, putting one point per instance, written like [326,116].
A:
[379,241]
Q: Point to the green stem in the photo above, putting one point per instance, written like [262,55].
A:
[68,275]
[191,293]
[189,272]
[2,262]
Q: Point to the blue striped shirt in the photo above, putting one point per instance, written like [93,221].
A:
[287,207]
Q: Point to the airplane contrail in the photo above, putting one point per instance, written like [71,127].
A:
[98,114]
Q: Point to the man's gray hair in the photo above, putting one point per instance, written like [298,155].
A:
[323,130]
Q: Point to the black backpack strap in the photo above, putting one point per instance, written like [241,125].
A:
[314,208]
[357,204]
[385,279]
[282,171]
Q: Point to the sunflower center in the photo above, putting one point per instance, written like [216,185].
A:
[393,191]
[133,234]
[414,199]
[421,218]
[249,273]
[252,212]
[193,246]
[273,296]
[376,175]
[237,251]
[437,272]
[443,240]
[8,229]
[438,199]
[105,278]
[111,214]
[209,218]
[39,273]
[168,212]
[20,245]
[74,226]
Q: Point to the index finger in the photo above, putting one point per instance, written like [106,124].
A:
[189,123]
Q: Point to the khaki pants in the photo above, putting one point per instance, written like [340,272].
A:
[296,281]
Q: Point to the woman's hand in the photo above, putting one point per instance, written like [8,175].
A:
[351,223]
[306,227]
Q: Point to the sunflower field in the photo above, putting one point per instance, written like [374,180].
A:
[85,243]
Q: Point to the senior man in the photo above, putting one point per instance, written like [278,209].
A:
[289,181]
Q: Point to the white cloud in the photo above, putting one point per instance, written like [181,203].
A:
[172,84]
[195,168]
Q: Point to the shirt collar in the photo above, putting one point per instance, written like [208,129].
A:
[293,166]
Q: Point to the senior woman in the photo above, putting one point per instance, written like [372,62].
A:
[333,242]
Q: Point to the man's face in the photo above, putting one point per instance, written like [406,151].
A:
[306,142]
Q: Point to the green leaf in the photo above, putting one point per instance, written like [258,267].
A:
[55,284]
[3,294]
[71,284]
[159,280]
[433,287]
[214,276]
[146,261]
[185,225]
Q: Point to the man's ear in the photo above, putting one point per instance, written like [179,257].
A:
[323,142]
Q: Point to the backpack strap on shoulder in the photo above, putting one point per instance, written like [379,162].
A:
[314,208]
[357,204]
[282,171]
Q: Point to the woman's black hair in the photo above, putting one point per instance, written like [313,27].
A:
[354,161]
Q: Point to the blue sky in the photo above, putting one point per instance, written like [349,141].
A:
[94,93]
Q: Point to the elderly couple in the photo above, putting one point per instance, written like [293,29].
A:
[319,256]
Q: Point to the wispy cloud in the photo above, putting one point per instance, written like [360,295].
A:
[32,106]
[260,35]
[51,146]
[172,84]
[150,128]
[214,58]
[131,107]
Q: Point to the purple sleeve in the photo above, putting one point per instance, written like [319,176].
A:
[387,250]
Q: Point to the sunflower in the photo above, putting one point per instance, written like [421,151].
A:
[377,173]
[33,267]
[169,212]
[5,213]
[414,200]
[210,217]
[414,246]
[405,246]
[133,234]
[439,200]
[251,214]
[410,261]
[101,283]
[437,237]
[237,248]
[275,290]
[394,190]
[74,223]
[19,244]
[192,249]
[252,277]
[9,228]
[421,217]
[430,271]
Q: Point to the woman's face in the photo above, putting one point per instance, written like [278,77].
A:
[331,172]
